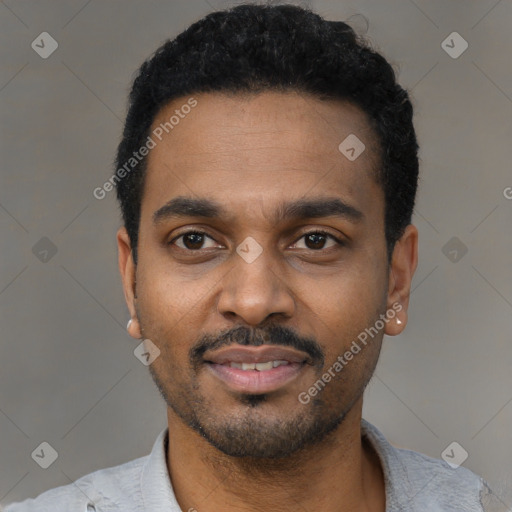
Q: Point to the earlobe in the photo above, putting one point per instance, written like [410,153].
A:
[397,324]
[134,329]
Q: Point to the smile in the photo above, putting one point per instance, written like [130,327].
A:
[256,370]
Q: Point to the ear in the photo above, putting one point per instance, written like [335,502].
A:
[404,261]
[128,269]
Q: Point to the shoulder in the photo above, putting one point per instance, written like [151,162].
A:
[432,484]
[417,482]
[109,489]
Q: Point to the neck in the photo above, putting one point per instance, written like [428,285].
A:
[339,474]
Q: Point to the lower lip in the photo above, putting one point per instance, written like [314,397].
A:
[254,381]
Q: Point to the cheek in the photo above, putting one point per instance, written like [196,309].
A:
[163,296]
[347,306]
[356,292]
[163,309]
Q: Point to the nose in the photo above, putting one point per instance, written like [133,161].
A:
[254,290]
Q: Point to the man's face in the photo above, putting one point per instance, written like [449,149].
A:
[257,280]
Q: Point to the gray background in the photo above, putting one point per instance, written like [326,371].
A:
[68,375]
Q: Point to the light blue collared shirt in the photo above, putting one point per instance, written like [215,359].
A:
[414,483]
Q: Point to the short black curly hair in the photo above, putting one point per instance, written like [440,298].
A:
[253,48]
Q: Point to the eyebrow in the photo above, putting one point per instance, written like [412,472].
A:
[182,206]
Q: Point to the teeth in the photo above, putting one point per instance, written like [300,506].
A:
[261,367]
[264,366]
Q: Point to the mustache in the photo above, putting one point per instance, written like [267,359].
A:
[273,335]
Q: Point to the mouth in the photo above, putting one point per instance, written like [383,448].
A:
[256,370]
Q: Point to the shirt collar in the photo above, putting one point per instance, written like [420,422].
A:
[399,491]
[155,483]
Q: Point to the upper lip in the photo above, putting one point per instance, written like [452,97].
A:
[261,354]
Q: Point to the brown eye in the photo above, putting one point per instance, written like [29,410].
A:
[316,240]
[191,240]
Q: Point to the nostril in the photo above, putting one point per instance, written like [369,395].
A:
[91,507]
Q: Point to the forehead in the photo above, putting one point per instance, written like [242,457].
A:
[260,147]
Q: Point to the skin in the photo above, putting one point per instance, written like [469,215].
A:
[250,153]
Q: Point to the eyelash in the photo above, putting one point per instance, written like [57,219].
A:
[204,233]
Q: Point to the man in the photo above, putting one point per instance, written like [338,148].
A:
[267,177]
